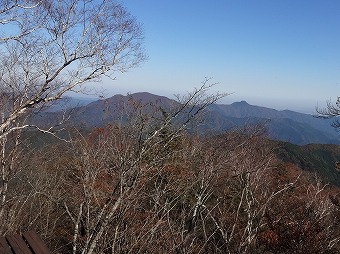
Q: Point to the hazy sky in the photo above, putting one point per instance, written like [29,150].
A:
[276,53]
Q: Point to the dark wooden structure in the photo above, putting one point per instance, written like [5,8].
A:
[27,243]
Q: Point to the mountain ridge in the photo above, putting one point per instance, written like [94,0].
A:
[283,125]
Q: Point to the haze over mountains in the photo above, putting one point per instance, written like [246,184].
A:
[285,125]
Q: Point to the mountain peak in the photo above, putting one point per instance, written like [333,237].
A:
[240,103]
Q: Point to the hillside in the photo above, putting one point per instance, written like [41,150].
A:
[315,158]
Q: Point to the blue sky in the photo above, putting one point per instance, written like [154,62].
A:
[282,54]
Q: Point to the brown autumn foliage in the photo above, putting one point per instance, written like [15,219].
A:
[148,186]
[218,194]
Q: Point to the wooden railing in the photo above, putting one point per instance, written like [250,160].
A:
[27,243]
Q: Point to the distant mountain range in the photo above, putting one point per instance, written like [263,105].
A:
[285,125]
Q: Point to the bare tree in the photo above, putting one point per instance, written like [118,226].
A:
[117,174]
[332,110]
[47,49]
[59,46]
[13,14]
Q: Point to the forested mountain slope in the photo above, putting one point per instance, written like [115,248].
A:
[315,158]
